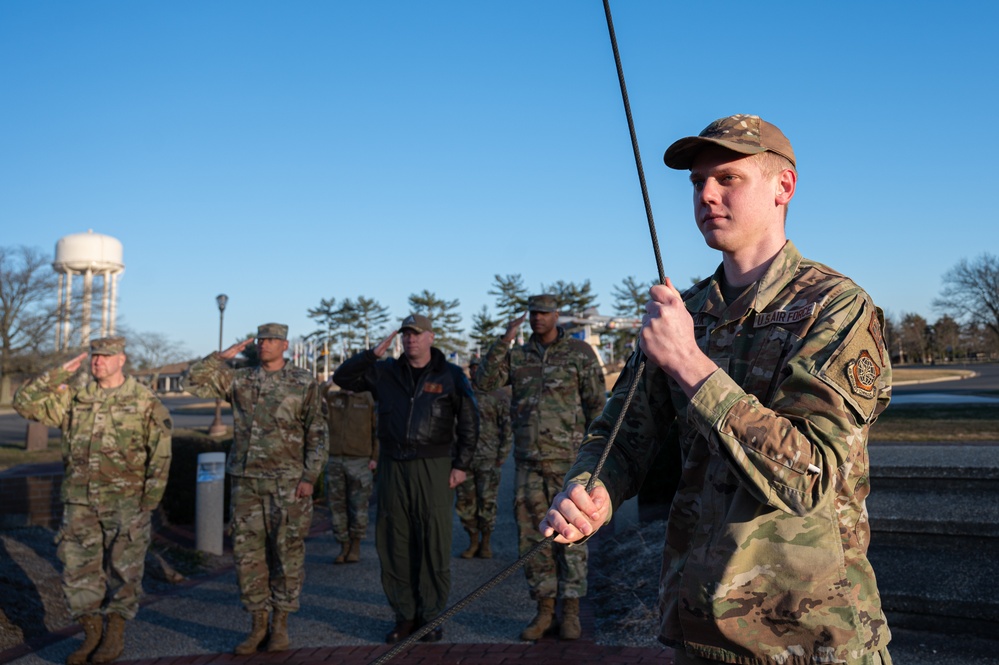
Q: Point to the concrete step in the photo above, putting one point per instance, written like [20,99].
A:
[948,588]
[950,513]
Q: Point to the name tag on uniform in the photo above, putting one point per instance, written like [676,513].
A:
[784,316]
[429,387]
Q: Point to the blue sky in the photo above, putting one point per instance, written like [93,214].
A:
[284,152]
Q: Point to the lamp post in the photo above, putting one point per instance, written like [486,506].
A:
[217,428]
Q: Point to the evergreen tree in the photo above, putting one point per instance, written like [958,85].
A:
[511,296]
[572,297]
[371,319]
[630,297]
[445,317]
[485,329]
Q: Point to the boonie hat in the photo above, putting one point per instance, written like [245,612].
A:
[272,331]
[107,346]
[542,303]
[416,322]
[745,134]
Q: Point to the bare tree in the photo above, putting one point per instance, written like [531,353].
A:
[971,292]
[27,311]
[913,337]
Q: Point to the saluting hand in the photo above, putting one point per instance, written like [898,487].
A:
[383,346]
[74,363]
[513,327]
[235,349]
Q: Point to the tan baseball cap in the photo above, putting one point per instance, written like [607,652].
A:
[745,134]
[416,322]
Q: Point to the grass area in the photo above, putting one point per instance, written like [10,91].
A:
[923,373]
[938,422]
[15,455]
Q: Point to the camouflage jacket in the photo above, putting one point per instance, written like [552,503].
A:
[495,436]
[115,444]
[280,429]
[765,559]
[557,392]
[353,424]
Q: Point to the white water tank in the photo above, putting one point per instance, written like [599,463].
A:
[91,251]
[87,256]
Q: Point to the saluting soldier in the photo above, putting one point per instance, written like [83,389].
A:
[116,459]
[278,451]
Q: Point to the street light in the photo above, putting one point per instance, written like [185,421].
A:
[217,428]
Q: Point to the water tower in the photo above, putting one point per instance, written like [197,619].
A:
[87,255]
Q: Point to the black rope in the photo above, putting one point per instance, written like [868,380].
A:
[530,554]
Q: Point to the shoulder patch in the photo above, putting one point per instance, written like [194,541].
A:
[856,368]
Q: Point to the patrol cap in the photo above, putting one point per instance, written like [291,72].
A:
[745,134]
[107,346]
[416,322]
[272,331]
[542,303]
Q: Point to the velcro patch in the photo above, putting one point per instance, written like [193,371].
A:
[784,316]
[863,374]
[855,370]
[429,387]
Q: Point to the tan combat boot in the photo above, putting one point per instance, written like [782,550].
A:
[93,628]
[344,551]
[485,551]
[113,642]
[473,544]
[570,630]
[354,555]
[541,622]
[257,634]
[279,632]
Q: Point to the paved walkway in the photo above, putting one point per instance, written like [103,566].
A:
[344,616]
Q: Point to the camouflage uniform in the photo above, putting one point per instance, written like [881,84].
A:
[765,558]
[279,440]
[476,497]
[116,459]
[556,393]
[353,445]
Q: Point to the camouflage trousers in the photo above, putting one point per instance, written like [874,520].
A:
[882,657]
[476,498]
[269,526]
[103,553]
[557,570]
[348,493]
